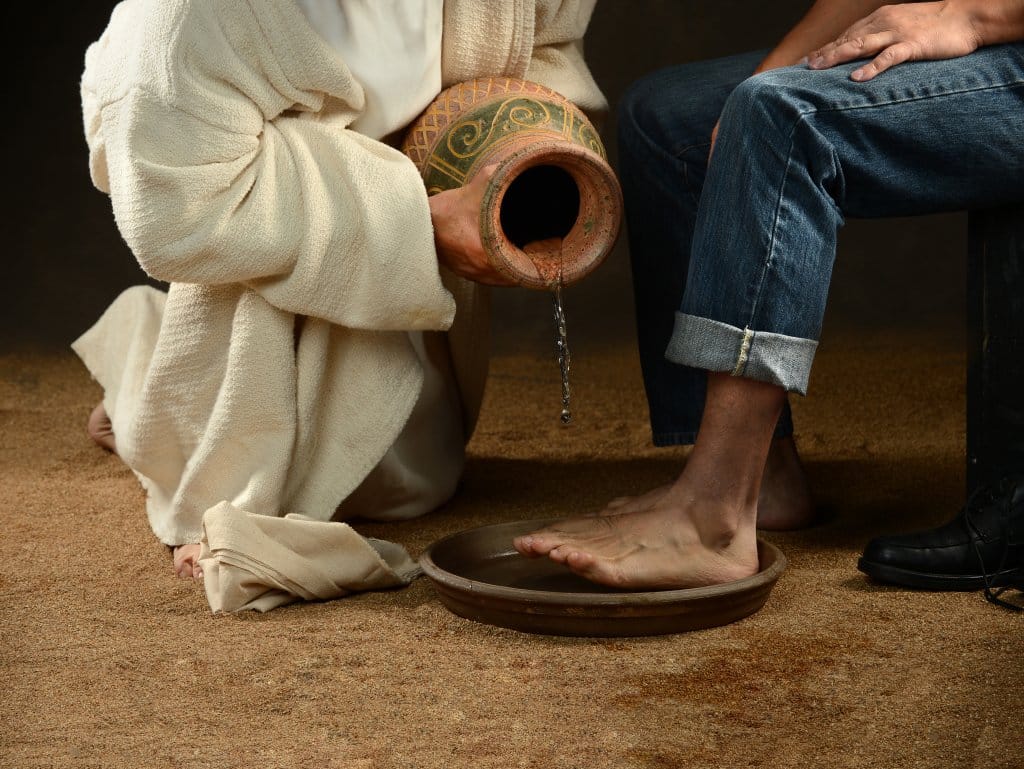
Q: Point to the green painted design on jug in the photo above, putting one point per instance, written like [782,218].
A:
[498,122]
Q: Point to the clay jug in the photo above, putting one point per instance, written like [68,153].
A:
[553,208]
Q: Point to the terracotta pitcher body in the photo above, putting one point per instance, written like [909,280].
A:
[553,208]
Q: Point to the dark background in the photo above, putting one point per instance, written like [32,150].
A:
[68,261]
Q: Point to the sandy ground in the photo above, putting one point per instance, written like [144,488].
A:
[108,660]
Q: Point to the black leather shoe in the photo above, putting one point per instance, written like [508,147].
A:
[982,548]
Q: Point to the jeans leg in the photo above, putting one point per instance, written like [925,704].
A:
[798,150]
[665,124]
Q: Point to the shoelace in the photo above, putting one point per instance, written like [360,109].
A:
[1001,494]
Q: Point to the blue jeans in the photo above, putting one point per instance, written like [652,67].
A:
[732,260]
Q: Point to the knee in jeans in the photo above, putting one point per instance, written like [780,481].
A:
[767,100]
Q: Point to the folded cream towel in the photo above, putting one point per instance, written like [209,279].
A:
[261,562]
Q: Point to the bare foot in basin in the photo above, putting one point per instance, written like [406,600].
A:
[702,530]
[651,549]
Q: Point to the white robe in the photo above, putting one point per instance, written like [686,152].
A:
[220,130]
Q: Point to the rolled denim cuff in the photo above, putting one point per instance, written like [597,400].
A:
[714,346]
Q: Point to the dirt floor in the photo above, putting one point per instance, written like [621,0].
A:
[108,660]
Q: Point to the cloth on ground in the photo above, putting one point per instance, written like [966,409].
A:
[261,562]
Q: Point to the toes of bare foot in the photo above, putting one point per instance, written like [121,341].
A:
[534,545]
[588,567]
[186,561]
[100,428]
[581,563]
[562,554]
[524,545]
[543,541]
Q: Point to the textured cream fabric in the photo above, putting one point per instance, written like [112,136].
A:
[219,129]
[392,47]
[261,562]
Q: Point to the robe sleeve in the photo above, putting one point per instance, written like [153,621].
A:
[218,128]
[557,56]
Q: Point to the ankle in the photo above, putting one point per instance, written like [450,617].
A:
[729,491]
[719,520]
[726,535]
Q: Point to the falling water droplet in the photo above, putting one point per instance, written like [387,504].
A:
[547,256]
[562,348]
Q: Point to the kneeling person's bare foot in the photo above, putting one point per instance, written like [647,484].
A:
[654,549]
[100,429]
[186,561]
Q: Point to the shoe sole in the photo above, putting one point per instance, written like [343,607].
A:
[947,582]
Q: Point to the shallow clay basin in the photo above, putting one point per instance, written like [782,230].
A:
[480,576]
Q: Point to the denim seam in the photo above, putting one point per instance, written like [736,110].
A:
[769,257]
[894,102]
[680,152]
[686,173]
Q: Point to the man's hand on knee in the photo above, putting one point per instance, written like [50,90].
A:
[907,32]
